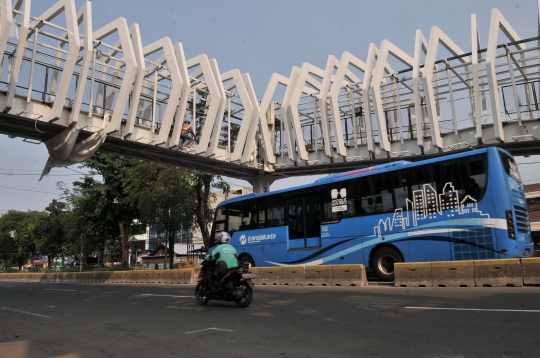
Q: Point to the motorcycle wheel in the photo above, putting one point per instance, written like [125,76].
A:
[200,295]
[247,295]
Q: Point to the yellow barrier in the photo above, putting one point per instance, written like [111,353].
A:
[349,275]
[293,276]
[320,275]
[531,270]
[115,277]
[498,273]
[453,273]
[268,276]
[413,274]
[146,276]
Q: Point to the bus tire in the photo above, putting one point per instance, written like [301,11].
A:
[247,259]
[383,261]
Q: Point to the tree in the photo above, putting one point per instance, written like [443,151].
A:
[17,242]
[204,182]
[163,196]
[204,212]
[57,234]
[106,199]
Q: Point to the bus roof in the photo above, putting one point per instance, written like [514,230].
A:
[359,173]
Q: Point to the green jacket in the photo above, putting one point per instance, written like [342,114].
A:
[227,254]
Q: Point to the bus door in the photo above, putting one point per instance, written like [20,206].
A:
[304,221]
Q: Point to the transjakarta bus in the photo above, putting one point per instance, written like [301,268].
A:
[464,206]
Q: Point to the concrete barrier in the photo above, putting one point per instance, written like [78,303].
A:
[531,270]
[186,276]
[131,277]
[453,273]
[498,273]
[293,276]
[349,275]
[84,277]
[269,276]
[146,276]
[157,276]
[101,276]
[115,277]
[320,275]
[413,274]
[171,277]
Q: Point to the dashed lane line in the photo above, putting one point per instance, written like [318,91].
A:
[208,329]
[30,313]
[151,294]
[471,309]
[60,289]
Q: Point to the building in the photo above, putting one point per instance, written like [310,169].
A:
[532,194]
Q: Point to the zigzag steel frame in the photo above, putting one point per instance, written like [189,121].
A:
[128,90]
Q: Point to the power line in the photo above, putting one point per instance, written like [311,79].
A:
[27,170]
[33,191]
[49,175]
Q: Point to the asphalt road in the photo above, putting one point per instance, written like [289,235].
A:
[86,320]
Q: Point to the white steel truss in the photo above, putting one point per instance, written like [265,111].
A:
[351,111]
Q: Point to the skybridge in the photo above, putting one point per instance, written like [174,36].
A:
[80,89]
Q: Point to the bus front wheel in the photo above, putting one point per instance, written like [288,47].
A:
[247,259]
[383,262]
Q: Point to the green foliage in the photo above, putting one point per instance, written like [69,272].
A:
[17,237]
[204,213]
[109,214]
[103,210]
[115,250]
[163,197]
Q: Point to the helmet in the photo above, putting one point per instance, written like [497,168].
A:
[223,237]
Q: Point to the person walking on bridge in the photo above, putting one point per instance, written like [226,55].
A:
[187,135]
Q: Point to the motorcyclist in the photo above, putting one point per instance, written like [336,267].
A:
[224,257]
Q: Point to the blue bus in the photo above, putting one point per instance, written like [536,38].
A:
[463,206]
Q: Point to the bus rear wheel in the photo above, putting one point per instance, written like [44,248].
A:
[247,259]
[383,262]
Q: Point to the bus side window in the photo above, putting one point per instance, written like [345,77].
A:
[339,200]
[242,216]
[367,195]
[272,212]
[425,182]
[219,223]
[464,178]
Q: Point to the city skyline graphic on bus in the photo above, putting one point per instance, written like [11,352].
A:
[428,205]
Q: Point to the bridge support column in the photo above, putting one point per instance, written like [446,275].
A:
[261,184]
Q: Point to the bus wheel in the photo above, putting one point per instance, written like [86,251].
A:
[383,263]
[247,259]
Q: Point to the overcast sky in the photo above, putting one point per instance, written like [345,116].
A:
[263,37]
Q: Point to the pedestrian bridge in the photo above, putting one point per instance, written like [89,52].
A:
[80,89]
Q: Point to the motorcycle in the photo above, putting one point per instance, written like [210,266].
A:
[235,285]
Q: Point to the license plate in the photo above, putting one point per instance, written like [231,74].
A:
[247,276]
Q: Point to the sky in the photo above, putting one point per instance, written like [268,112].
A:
[261,38]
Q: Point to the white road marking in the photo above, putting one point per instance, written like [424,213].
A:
[60,289]
[208,329]
[150,294]
[5,286]
[471,309]
[30,313]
